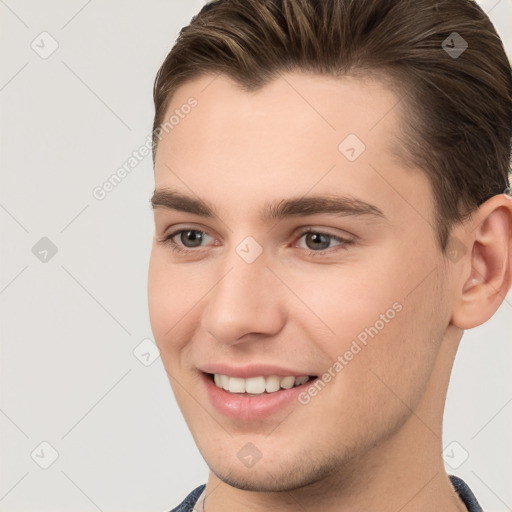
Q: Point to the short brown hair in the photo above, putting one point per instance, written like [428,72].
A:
[456,113]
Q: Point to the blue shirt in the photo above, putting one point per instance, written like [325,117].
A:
[459,485]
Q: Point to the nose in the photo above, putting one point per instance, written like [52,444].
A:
[245,304]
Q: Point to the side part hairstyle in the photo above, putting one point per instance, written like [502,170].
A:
[455,107]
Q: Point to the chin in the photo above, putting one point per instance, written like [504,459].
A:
[290,473]
[263,481]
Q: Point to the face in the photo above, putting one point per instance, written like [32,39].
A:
[291,246]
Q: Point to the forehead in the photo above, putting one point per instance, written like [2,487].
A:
[294,103]
[296,134]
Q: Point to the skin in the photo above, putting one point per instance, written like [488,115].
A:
[372,438]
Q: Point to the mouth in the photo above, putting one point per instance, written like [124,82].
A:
[255,398]
[260,385]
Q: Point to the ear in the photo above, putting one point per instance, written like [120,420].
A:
[486,277]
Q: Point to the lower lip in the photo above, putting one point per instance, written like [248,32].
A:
[251,408]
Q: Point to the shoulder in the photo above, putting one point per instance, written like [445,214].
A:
[188,503]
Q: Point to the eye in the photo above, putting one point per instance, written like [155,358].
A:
[191,237]
[317,241]
[184,240]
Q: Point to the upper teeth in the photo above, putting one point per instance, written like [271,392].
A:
[257,385]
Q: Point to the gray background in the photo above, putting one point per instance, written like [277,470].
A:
[70,324]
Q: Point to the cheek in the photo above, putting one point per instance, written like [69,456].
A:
[380,370]
[160,298]
[398,362]
[171,297]
[383,318]
[352,302]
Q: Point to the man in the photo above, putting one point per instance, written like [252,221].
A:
[314,378]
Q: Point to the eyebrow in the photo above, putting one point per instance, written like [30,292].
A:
[277,210]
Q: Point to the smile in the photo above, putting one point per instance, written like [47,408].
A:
[254,397]
[258,385]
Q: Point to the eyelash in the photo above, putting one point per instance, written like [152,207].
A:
[176,247]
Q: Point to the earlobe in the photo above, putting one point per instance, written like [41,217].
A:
[484,287]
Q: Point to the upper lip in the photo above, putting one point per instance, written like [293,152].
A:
[251,370]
